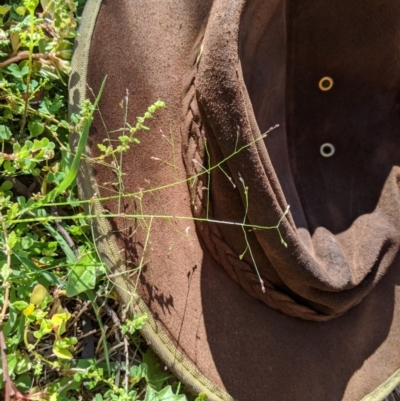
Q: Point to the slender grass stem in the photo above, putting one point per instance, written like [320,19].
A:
[7,267]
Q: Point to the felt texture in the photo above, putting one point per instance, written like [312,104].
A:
[324,322]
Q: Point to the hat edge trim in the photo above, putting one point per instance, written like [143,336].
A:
[153,333]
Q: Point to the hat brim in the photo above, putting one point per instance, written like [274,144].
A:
[213,335]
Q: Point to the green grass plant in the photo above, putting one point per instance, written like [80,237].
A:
[50,273]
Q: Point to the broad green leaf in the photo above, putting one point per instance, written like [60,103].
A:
[23,382]
[9,325]
[23,363]
[156,375]
[166,394]
[12,362]
[82,277]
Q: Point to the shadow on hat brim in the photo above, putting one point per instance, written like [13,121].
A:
[214,336]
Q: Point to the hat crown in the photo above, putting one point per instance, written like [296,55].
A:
[342,230]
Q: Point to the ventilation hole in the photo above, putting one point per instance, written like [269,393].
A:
[327,150]
[325,84]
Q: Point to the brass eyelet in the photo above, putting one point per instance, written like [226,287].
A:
[327,150]
[325,84]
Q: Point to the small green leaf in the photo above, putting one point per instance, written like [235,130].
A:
[29,310]
[60,321]
[41,144]
[12,212]
[138,372]
[4,9]
[20,10]
[38,334]
[8,167]
[38,295]
[36,128]
[5,272]
[24,70]
[60,347]
[31,5]
[5,132]
[12,240]
[26,242]
[62,353]
[6,186]
[20,305]
[15,71]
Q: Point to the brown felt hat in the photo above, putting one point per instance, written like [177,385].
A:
[269,104]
